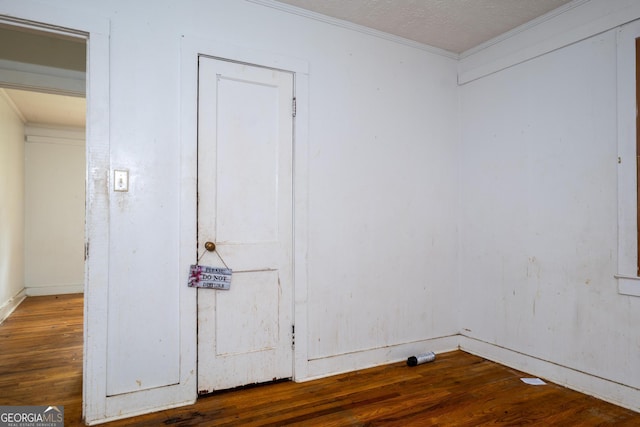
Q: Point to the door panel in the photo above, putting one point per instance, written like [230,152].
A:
[249,308]
[245,136]
[248,143]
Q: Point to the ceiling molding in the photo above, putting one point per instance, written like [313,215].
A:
[52,30]
[593,18]
[40,78]
[53,134]
[354,27]
[50,140]
[524,27]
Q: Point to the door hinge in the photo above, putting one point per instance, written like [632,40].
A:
[294,107]
[293,336]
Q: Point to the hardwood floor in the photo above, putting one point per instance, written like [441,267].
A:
[41,364]
[41,356]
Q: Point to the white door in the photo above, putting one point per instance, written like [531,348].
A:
[245,137]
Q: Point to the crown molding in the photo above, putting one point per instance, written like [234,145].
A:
[40,78]
[577,21]
[353,27]
[53,134]
[524,27]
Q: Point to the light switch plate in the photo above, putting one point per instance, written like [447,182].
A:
[120,180]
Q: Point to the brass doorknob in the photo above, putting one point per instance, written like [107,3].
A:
[210,246]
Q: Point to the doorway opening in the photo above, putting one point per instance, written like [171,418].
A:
[42,164]
[42,88]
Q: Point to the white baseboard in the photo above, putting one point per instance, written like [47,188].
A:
[609,391]
[332,365]
[38,291]
[7,308]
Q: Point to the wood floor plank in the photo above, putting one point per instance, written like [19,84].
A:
[41,364]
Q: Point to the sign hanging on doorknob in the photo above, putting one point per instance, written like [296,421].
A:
[202,276]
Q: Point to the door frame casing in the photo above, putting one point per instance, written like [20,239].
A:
[191,49]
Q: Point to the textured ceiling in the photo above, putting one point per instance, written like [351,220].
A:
[453,25]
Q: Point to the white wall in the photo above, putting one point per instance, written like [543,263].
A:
[11,207]
[538,221]
[382,200]
[538,198]
[381,184]
[54,210]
